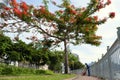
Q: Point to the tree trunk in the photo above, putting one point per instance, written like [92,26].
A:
[66,57]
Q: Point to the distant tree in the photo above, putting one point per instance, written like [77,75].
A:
[56,59]
[39,57]
[13,56]
[78,65]
[74,62]
[5,45]
[22,50]
[69,24]
[39,53]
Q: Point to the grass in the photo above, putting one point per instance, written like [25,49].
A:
[38,77]
[18,73]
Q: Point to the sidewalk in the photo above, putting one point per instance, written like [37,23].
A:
[79,77]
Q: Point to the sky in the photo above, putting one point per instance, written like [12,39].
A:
[108,31]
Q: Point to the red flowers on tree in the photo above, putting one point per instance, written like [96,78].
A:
[24,13]
[112,15]
[42,9]
[73,12]
[14,3]
[108,2]
[20,9]
[96,18]
[6,8]
[24,6]
[17,12]
[100,6]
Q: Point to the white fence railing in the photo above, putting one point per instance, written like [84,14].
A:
[109,66]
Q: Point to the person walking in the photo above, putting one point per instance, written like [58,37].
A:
[88,69]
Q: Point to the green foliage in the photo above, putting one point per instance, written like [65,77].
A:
[74,62]
[5,45]
[1,67]
[12,70]
[23,49]
[8,71]
[13,56]
[78,65]
[46,72]
[39,57]
[55,58]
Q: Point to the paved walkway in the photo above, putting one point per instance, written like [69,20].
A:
[79,77]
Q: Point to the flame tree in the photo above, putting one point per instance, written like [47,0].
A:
[69,24]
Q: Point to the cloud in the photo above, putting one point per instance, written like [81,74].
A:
[88,53]
[85,58]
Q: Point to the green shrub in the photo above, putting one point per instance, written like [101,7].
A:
[27,71]
[47,72]
[12,70]
[40,71]
[1,68]
[7,70]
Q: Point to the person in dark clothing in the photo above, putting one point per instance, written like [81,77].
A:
[88,69]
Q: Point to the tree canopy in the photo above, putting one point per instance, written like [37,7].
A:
[76,25]
[69,24]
